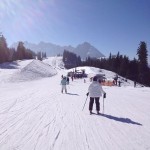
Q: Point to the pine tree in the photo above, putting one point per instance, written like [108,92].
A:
[21,51]
[4,53]
[39,56]
[124,65]
[133,70]
[12,54]
[70,59]
[143,62]
[109,62]
[78,61]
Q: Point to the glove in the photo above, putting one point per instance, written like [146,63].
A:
[87,94]
[104,96]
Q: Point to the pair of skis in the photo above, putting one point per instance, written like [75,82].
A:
[91,113]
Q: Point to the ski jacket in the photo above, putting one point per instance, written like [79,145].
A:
[63,82]
[95,89]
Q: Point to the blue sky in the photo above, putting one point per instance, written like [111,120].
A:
[109,25]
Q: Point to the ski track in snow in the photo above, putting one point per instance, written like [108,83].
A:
[39,117]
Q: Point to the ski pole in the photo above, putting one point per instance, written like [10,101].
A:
[104,96]
[84,103]
[103,105]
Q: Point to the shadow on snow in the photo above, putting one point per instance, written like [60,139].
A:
[72,94]
[124,120]
[8,65]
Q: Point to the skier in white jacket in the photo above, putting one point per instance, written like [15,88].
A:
[95,91]
[64,83]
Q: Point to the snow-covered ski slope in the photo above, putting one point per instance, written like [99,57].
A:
[35,115]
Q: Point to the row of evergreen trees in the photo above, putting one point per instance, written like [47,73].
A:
[10,54]
[136,69]
[71,60]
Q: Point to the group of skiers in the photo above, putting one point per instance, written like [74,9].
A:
[95,91]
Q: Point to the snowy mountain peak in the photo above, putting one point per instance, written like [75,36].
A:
[87,50]
[83,50]
[86,45]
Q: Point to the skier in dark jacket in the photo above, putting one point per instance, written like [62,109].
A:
[95,91]
[119,83]
[67,80]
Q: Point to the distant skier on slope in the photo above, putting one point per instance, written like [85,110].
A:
[119,83]
[67,79]
[95,91]
[64,83]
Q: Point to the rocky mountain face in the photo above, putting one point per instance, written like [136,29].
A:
[87,50]
[83,50]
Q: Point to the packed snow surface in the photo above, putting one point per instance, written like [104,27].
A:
[35,115]
[34,70]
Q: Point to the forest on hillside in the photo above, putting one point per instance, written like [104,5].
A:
[10,54]
[136,69]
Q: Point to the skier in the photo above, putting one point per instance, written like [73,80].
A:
[95,91]
[116,79]
[72,77]
[64,83]
[67,80]
[119,83]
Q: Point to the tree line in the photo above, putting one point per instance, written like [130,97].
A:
[136,69]
[71,60]
[10,54]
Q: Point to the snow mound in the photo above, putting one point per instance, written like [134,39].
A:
[23,63]
[34,70]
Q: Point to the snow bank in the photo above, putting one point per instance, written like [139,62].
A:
[7,69]
[34,70]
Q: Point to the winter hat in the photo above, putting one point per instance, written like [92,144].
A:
[95,78]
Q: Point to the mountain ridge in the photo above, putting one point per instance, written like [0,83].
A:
[83,50]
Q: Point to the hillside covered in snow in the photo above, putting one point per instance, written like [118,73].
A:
[35,115]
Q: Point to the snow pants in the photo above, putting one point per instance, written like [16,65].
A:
[91,103]
[64,88]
